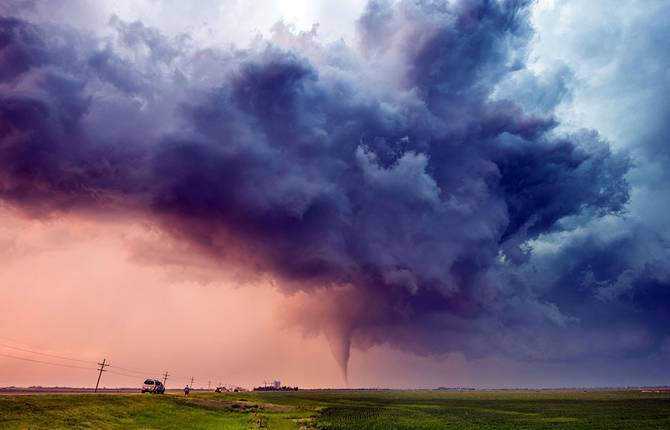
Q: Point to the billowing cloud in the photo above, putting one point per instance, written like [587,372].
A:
[403,186]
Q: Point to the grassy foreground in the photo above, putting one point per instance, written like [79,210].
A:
[341,410]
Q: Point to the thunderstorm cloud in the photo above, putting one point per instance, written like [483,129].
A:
[416,185]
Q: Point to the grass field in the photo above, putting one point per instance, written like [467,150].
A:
[341,410]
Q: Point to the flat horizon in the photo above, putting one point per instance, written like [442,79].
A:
[402,193]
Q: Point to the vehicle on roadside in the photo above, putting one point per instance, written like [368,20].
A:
[153,386]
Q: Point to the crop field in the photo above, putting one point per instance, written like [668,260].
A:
[305,410]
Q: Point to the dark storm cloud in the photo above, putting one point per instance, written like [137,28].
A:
[612,273]
[392,188]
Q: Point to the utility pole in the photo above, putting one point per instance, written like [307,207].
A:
[209,385]
[191,385]
[102,369]
[165,376]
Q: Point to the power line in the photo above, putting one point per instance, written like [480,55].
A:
[60,357]
[70,365]
[121,374]
[100,370]
[138,371]
[45,362]
[141,372]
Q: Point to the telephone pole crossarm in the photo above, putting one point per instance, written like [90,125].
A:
[102,369]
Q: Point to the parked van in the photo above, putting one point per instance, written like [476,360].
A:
[153,386]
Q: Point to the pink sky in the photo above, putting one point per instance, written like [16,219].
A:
[76,288]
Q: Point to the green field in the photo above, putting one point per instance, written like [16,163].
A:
[341,410]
